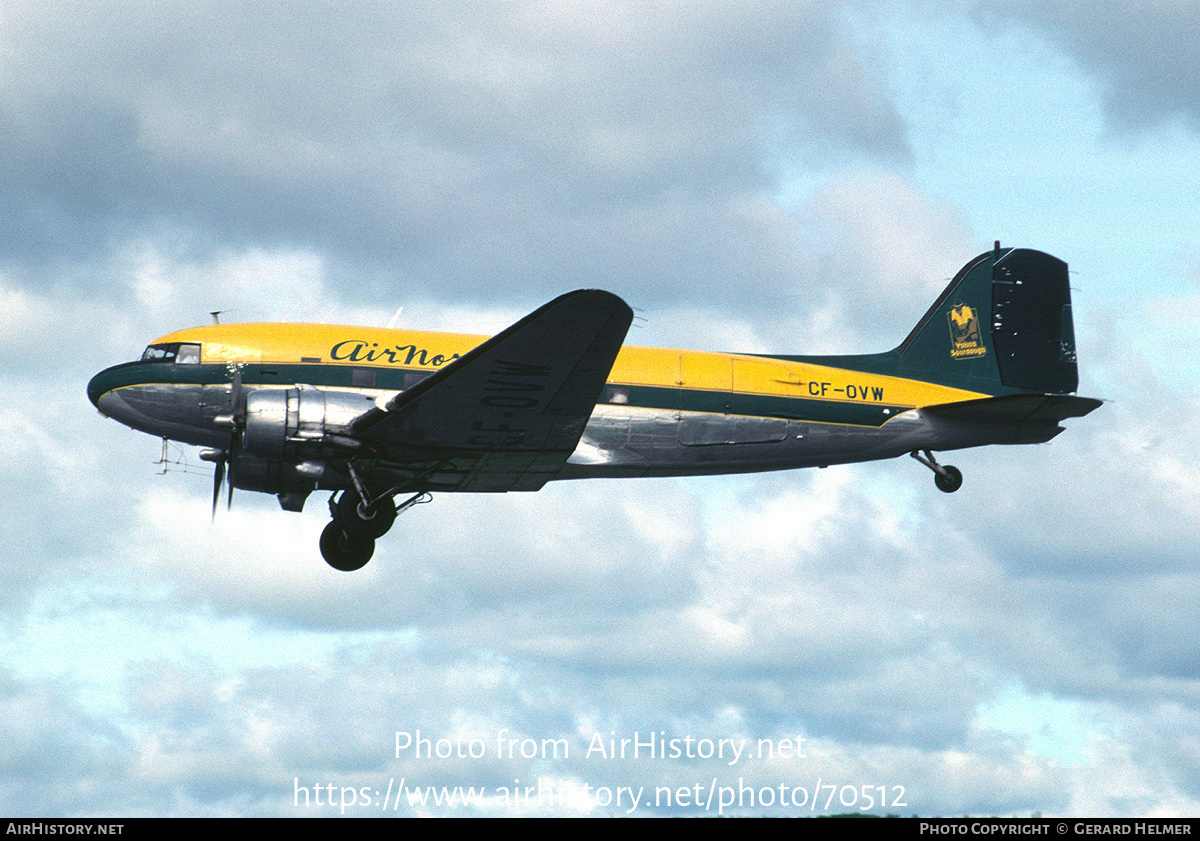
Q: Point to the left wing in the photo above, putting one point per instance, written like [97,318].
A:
[507,414]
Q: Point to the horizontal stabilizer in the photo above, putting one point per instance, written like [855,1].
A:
[1016,409]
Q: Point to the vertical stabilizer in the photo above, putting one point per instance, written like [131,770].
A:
[1002,326]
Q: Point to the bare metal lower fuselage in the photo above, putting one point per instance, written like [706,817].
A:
[632,443]
[618,441]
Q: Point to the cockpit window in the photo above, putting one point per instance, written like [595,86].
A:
[185,353]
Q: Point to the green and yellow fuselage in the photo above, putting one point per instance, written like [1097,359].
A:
[662,411]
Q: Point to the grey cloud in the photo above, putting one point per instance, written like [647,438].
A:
[458,143]
[1128,512]
[1145,54]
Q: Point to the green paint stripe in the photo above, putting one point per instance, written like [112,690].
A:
[855,413]
[322,375]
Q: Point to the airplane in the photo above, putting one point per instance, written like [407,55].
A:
[376,415]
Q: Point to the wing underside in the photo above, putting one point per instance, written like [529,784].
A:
[506,415]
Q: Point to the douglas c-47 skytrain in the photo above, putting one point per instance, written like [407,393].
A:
[377,415]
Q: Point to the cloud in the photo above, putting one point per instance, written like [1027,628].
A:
[880,248]
[512,144]
[1143,54]
[57,758]
[436,568]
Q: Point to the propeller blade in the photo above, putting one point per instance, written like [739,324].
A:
[232,462]
[218,478]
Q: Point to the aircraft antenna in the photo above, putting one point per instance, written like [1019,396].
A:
[216,316]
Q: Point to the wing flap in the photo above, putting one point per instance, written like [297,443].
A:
[509,412]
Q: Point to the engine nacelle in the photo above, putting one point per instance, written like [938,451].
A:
[302,422]
[252,473]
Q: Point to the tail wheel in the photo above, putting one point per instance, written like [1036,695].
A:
[949,480]
[947,477]
[345,552]
[365,521]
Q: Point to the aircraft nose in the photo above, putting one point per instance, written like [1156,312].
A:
[110,401]
[102,392]
[95,391]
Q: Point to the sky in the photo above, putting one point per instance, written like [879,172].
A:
[771,177]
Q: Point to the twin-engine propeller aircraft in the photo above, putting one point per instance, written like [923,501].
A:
[378,415]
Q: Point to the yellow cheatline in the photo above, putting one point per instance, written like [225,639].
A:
[635,366]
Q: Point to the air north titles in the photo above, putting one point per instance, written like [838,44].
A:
[357,350]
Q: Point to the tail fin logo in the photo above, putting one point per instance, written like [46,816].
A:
[965,341]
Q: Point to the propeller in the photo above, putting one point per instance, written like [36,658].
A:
[226,459]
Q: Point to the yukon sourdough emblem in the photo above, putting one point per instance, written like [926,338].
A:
[965,341]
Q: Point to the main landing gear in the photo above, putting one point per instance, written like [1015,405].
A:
[348,542]
[947,477]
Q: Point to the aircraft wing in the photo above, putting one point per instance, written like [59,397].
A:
[507,414]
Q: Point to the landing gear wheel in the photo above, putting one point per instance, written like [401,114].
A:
[345,552]
[949,481]
[364,521]
[947,478]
